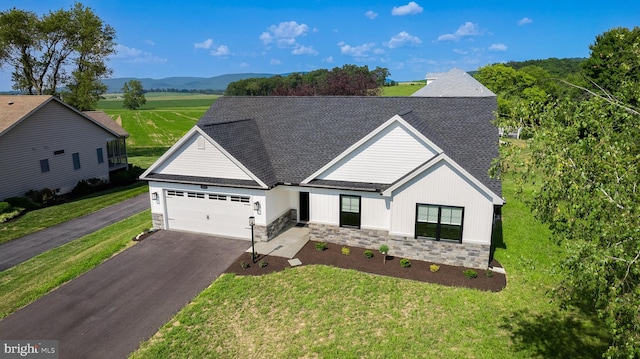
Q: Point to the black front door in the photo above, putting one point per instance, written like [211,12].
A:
[304,206]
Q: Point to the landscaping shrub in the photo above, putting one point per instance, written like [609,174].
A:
[368,253]
[45,196]
[470,273]
[489,273]
[85,187]
[405,263]
[346,251]
[5,207]
[125,177]
[22,202]
[384,249]
[321,246]
[262,264]
[434,268]
[244,265]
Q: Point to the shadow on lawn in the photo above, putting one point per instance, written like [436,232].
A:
[557,335]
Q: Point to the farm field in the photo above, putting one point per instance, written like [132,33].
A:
[403,88]
[157,125]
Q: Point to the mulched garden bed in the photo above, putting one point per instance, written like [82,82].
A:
[332,256]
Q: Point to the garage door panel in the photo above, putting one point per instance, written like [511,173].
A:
[196,212]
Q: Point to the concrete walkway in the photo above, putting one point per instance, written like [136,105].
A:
[21,249]
[287,244]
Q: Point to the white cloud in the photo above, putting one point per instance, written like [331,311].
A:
[466,29]
[461,52]
[133,55]
[304,50]
[403,39]
[284,34]
[524,21]
[498,47]
[328,59]
[357,51]
[275,62]
[410,9]
[206,44]
[222,50]
[371,15]
[244,65]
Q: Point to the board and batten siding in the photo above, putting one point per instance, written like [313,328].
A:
[201,158]
[384,158]
[53,127]
[441,184]
[279,200]
[324,208]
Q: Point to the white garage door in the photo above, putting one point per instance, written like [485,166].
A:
[218,214]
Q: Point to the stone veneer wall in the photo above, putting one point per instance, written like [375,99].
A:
[457,254]
[264,234]
[157,220]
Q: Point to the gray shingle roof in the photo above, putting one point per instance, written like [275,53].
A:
[455,83]
[286,139]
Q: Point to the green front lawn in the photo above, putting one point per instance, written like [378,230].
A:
[319,311]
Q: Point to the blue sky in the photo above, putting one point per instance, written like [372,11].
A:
[160,38]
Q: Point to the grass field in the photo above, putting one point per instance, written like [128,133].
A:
[158,124]
[403,89]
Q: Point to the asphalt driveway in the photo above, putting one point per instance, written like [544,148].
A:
[110,310]
[20,249]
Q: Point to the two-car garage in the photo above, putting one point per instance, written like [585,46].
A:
[212,213]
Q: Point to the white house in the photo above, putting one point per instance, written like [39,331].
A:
[411,172]
[45,143]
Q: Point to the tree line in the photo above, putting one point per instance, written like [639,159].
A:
[348,80]
[584,161]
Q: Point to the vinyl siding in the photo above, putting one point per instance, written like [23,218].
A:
[441,184]
[191,158]
[325,208]
[384,158]
[53,127]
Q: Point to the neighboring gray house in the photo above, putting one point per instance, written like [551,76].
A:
[45,143]
[455,83]
[411,172]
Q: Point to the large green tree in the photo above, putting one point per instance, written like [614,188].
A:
[585,163]
[63,47]
[614,64]
[133,95]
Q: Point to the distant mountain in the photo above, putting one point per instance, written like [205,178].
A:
[182,83]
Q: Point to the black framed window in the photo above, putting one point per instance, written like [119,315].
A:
[439,222]
[76,161]
[100,155]
[44,165]
[350,211]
